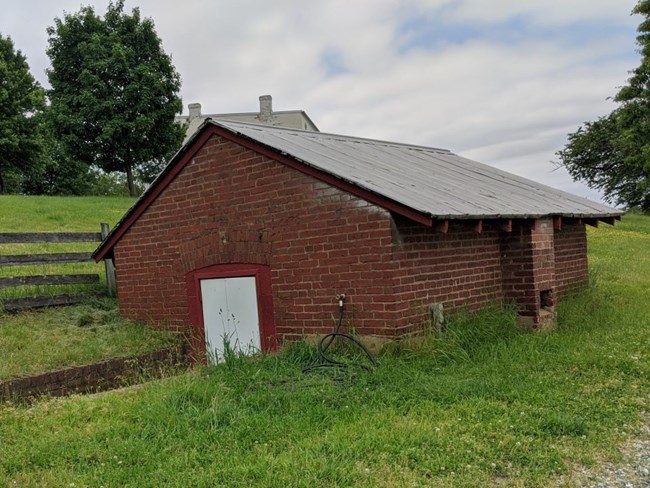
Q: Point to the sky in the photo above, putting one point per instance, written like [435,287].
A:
[501,81]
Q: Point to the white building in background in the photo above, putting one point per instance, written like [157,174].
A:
[293,119]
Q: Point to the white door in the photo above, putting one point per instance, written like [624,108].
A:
[230,316]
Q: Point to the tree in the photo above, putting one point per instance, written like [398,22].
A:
[114,90]
[58,174]
[612,154]
[21,98]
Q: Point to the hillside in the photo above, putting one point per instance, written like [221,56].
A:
[20,213]
[485,404]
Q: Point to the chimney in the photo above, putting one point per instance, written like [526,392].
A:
[266,108]
[195,110]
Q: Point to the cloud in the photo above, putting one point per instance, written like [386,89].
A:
[501,82]
[541,12]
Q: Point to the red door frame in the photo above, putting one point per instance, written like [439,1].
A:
[262,275]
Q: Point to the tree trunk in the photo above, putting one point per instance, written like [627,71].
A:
[129,181]
[2,185]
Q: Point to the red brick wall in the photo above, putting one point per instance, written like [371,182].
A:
[571,272]
[543,255]
[528,261]
[458,269]
[518,273]
[231,205]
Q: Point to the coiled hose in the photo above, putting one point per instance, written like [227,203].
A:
[325,361]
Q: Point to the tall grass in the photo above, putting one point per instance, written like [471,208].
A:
[484,405]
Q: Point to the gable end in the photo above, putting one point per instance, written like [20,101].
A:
[186,155]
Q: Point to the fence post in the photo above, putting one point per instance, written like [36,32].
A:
[110,267]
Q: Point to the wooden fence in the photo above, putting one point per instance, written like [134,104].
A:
[16,304]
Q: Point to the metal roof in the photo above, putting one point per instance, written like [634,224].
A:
[433,181]
[416,181]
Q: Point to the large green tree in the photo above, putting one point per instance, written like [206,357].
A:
[114,90]
[21,99]
[612,154]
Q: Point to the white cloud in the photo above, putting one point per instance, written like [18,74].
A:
[541,12]
[503,100]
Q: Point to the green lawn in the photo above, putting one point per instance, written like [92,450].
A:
[39,341]
[33,342]
[55,214]
[485,405]
[59,214]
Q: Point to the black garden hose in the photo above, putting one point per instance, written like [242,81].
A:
[325,361]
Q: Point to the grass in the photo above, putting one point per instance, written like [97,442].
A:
[33,342]
[59,214]
[484,405]
[55,214]
[40,341]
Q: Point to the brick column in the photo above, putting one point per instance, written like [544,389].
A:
[528,262]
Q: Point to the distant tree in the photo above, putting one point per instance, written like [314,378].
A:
[114,90]
[596,155]
[58,174]
[612,154]
[21,98]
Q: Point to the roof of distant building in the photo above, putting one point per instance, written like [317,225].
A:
[295,119]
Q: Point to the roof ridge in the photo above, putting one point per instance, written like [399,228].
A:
[223,114]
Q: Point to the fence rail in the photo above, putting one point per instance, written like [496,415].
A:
[15,304]
[46,237]
[35,259]
[37,280]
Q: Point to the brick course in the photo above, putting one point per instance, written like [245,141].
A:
[459,268]
[571,272]
[528,260]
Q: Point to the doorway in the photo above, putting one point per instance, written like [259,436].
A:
[230,317]
[231,310]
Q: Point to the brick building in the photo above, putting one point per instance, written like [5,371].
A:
[251,231]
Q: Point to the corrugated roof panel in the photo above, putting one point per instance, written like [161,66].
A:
[433,181]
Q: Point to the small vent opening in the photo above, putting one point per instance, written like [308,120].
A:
[546,299]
